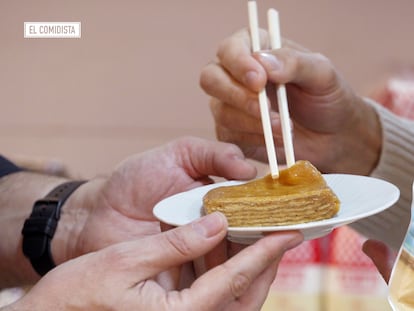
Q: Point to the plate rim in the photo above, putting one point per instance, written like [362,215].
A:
[331,222]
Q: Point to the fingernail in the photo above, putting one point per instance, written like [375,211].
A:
[270,61]
[289,240]
[250,78]
[210,225]
[295,241]
[238,157]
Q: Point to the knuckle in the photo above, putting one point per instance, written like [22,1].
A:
[320,57]
[218,110]
[182,300]
[224,46]
[239,284]
[295,61]
[207,79]
[178,242]
[321,61]
[235,95]
[118,254]
[231,150]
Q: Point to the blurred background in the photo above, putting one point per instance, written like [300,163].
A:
[132,81]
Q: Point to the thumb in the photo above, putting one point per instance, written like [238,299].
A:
[233,278]
[172,248]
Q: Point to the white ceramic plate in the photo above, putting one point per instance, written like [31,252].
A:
[360,197]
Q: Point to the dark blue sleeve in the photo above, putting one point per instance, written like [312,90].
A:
[7,167]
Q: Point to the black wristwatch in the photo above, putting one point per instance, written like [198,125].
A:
[39,228]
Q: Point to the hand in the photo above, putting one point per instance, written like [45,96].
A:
[123,276]
[381,255]
[119,208]
[333,128]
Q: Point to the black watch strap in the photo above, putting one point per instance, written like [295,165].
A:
[39,228]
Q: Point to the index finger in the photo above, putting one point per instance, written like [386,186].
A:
[235,56]
[233,278]
[202,158]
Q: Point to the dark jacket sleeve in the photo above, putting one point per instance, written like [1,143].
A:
[7,167]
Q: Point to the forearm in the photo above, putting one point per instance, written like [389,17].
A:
[18,192]
[396,165]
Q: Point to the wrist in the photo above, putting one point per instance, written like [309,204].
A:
[69,241]
[18,192]
[40,227]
